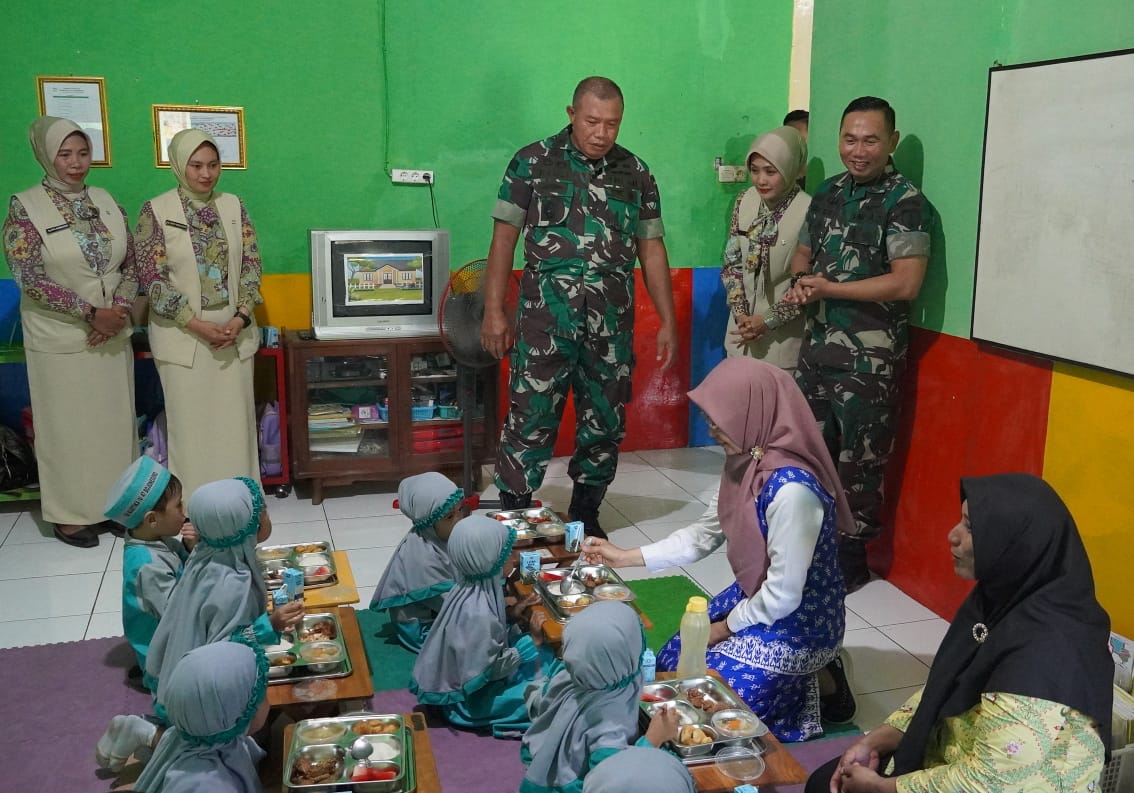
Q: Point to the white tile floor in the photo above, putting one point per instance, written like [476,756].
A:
[50,592]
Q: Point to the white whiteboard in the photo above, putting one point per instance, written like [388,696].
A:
[1055,247]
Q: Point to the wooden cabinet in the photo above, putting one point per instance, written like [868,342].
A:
[364,410]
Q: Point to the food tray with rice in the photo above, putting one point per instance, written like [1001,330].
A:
[532,523]
[313,558]
[314,649]
[712,717]
[598,582]
[319,757]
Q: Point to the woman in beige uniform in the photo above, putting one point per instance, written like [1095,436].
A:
[200,265]
[765,224]
[70,252]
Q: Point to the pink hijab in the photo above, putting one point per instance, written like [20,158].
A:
[760,408]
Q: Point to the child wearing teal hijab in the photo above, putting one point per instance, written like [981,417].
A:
[420,573]
[473,665]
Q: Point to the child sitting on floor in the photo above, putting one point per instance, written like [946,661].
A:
[215,699]
[220,595]
[420,573]
[640,769]
[473,665]
[588,710]
[146,500]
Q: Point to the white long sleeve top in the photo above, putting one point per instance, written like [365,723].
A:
[795,517]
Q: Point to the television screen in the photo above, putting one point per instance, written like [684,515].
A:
[377,283]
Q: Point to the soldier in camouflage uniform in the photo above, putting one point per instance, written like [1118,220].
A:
[862,255]
[587,209]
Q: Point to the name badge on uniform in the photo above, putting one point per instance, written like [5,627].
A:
[60,227]
[177,225]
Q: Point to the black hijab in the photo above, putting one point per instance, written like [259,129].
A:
[1046,634]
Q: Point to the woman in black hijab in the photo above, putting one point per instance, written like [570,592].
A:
[1020,689]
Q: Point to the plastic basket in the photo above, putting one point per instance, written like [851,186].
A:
[383,413]
[1118,774]
[421,412]
[449,411]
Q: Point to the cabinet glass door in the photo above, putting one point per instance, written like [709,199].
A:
[438,395]
[347,406]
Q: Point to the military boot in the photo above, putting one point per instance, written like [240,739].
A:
[585,501]
[511,501]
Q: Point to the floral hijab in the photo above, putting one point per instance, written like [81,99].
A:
[420,568]
[591,704]
[471,630]
[211,699]
[221,591]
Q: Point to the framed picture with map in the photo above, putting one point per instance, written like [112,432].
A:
[225,124]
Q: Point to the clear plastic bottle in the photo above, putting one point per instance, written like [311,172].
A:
[694,639]
[649,665]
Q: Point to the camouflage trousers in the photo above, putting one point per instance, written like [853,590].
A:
[596,367]
[857,413]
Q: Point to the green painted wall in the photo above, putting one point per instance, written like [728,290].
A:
[470,82]
[930,60]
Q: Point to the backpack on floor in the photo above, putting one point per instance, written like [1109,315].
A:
[268,437]
[154,443]
[17,461]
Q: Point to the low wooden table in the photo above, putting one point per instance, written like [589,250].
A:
[782,768]
[343,693]
[425,767]
[344,593]
[552,630]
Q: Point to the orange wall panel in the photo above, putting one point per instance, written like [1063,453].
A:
[287,301]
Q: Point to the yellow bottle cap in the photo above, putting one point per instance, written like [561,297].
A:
[697,604]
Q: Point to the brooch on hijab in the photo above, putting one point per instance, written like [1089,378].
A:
[756,453]
[980,632]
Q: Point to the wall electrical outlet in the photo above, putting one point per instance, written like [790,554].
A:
[410,176]
[732,173]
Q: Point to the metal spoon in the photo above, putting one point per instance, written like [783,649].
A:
[361,750]
[570,583]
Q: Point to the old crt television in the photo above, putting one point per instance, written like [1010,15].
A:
[377,283]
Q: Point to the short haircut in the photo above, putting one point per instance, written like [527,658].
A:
[599,87]
[797,115]
[866,103]
[172,492]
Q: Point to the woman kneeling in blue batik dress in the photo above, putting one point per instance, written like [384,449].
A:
[474,665]
[780,505]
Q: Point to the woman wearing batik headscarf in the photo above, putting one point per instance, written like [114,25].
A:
[215,699]
[780,505]
[1019,694]
[640,769]
[587,710]
[756,273]
[221,592]
[70,251]
[420,573]
[200,265]
[473,665]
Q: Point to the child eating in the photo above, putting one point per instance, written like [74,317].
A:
[473,665]
[420,573]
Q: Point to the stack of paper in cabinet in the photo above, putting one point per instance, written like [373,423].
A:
[328,416]
[344,441]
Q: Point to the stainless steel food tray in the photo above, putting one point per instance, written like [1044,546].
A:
[273,558]
[550,595]
[532,523]
[329,745]
[722,697]
[301,668]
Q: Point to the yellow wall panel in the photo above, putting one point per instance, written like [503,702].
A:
[287,301]
[1089,461]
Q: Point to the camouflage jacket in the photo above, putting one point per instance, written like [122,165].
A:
[581,221]
[854,232]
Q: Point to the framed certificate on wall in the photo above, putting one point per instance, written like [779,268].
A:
[225,124]
[82,100]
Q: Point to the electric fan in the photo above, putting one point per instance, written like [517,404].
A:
[462,312]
